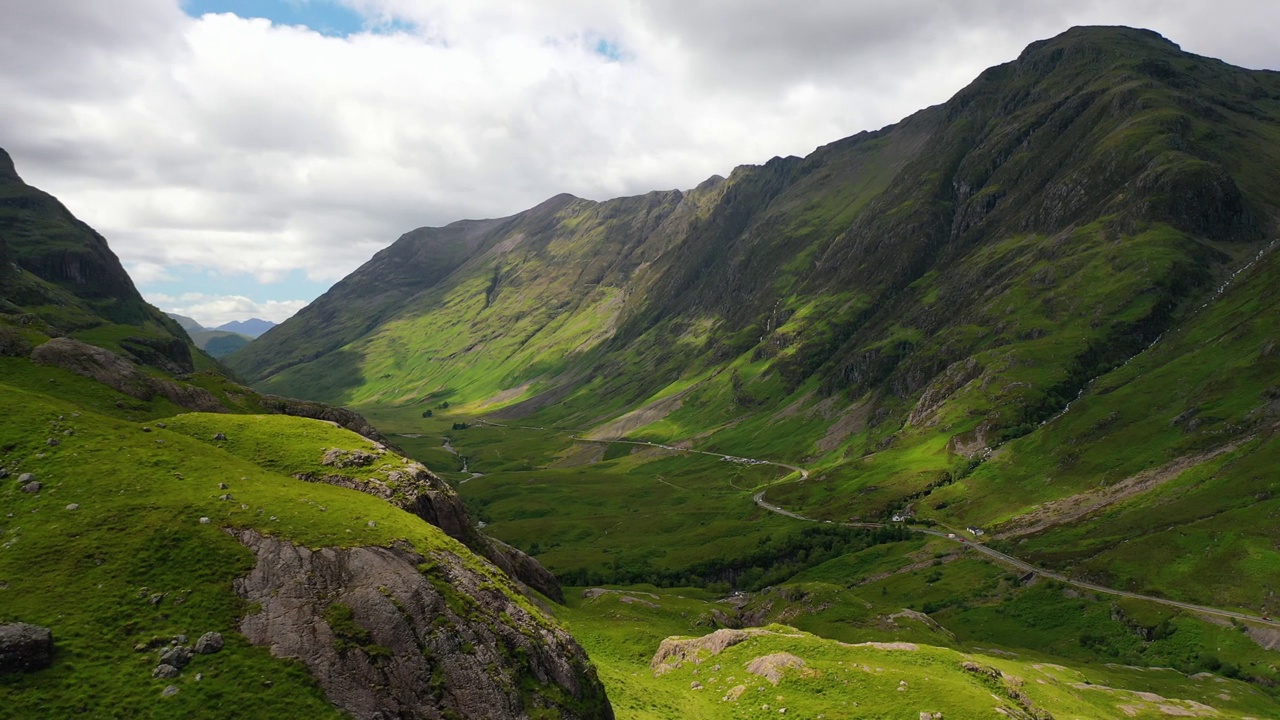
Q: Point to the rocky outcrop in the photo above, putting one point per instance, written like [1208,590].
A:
[25,647]
[170,354]
[343,417]
[391,633]
[418,490]
[12,344]
[121,375]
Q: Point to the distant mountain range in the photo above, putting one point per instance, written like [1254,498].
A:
[227,337]
[253,327]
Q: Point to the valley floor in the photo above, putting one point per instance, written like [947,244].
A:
[988,630]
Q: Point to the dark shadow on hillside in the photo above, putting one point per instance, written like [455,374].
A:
[329,379]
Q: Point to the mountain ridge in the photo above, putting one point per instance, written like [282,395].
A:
[903,311]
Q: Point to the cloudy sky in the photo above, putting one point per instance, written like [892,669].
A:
[243,155]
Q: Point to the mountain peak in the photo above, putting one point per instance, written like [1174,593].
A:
[8,173]
[1087,45]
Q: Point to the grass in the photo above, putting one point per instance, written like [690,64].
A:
[136,532]
[851,680]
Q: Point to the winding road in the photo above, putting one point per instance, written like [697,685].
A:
[990,553]
[1025,566]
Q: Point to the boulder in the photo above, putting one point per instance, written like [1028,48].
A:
[32,487]
[25,647]
[165,671]
[177,656]
[210,642]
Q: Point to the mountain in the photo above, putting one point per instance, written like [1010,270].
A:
[64,279]
[251,328]
[1042,308]
[229,549]
[186,323]
[218,343]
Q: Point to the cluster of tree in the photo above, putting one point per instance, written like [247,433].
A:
[772,561]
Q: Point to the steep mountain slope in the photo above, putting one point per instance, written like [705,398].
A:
[340,578]
[186,323]
[894,311]
[63,278]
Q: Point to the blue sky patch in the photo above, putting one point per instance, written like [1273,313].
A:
[326,17]
[191,279]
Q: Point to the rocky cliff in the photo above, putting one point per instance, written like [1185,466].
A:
[391,633]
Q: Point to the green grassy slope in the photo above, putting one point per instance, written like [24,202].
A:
[624,629]
[118,521]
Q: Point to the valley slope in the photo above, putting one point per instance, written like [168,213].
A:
[1043,308]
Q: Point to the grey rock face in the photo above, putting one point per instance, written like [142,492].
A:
[397,624]
[337,457]
[119,373]
[177,656]
[25,647]
[210,642]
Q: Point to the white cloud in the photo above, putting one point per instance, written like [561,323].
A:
[242,147]
[214,310]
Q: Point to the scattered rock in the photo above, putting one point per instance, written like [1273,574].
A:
[32,487]
[156,599]
[73,506]
[199,677]
[695,685]
[161,425]
[52,442]
[222,486]
[146,429]
[225,497]
[177,656]
[204,521]
[674,651]
[337,457]
[210,642]
[734,693]
[165,671]
[373,524]
[169,691]
[26,478]
[179,639]
[25,647]
[3,473]
[220,436]
[771,667]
